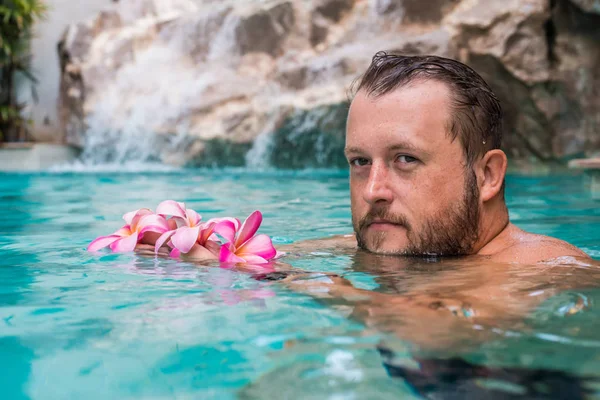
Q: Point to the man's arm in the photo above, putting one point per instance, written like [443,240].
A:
[425,321]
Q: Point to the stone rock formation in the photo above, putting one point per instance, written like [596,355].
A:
[266,82]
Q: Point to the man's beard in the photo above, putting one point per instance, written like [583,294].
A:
[451,232]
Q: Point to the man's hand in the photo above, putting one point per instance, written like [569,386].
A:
[148,250]
[201,253]
[197,253]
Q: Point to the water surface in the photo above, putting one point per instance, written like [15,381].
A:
[80,325]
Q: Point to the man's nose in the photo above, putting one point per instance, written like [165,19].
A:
[378,186]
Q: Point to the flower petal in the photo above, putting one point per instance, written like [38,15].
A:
[226,256]
[206,231]
[185,237]
[124,231]
[193,217]
[141,213]
[153,223]
[171,207]
[128,217]
[236,222]
[101,242]
[162,239]
[174,253]
[126,244]
[249,228]
[226,229]
[259,245]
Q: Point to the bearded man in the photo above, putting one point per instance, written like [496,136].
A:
[427,173]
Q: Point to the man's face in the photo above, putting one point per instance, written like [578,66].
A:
[411,192]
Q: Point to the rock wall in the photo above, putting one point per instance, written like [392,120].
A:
[244,82]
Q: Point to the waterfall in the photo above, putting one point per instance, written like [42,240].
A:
[153,92]
[141,115]
[180,84]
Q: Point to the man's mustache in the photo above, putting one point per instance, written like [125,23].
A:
[381,214]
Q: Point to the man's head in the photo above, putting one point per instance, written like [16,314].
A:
[423,141]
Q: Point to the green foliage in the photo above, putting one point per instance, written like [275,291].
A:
[16,22]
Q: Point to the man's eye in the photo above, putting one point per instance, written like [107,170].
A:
[406,159]
[359,162]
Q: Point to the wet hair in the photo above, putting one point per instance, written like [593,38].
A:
[476,112]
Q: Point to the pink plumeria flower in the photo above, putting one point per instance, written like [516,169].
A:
[186,229]
[243,246]
[200,242]
[142,226]
[183,216]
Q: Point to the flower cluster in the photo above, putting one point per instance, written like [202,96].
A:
[182,231]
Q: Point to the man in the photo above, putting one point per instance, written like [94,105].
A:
[426,170]
[427,181]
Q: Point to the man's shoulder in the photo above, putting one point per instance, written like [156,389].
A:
[527,248]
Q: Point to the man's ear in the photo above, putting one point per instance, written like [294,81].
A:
[492,170]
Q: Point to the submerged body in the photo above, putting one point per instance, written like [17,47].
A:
[450,304]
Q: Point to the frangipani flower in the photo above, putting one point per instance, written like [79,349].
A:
[187,228]
[183,231]
[142,226]
[183,216]
[243,246]
[205,245]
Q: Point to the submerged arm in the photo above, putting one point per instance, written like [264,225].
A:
[429,321]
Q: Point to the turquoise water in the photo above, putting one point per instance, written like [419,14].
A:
[77,325]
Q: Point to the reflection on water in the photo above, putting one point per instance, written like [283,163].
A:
[123,326]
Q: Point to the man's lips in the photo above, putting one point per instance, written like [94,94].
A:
[382,224]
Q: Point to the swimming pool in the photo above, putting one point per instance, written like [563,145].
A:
[78,325]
